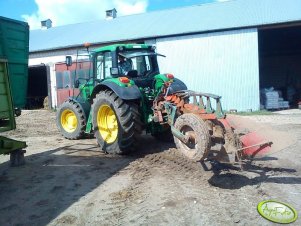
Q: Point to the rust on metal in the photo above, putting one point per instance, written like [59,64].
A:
[225,123]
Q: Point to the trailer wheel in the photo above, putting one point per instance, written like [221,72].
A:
[199,143]
[71,120]
[116,123]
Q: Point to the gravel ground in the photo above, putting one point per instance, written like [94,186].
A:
[73,183]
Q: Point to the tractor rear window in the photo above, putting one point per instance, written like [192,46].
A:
[140,61]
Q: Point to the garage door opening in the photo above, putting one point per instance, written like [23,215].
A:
[37,92]
[280,67]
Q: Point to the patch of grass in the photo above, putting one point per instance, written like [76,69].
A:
[246,113]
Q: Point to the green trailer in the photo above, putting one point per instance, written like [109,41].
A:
[14,46]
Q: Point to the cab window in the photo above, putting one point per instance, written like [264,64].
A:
[103,65]
[99,67]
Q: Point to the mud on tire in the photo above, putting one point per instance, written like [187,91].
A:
[198,147]
[70,110]
[128,123]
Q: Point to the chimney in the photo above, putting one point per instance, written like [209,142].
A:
[46,24]
[111,14]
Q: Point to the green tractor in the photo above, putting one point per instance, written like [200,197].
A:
[125,94]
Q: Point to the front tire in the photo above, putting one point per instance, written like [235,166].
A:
[199,143]
[116,123]
[71,120]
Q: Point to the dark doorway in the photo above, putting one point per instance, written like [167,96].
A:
[280,63]
[37,87]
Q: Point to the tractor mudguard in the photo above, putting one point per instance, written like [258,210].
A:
[176,86]
[125,93]
[83,104]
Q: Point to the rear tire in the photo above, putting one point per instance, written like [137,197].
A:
[198,147]
[116,123]
[71,120]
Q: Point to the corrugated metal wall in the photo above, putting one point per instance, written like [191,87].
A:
[223,63]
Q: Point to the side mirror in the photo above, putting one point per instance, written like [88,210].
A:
[114,70]
[76,83]
[68,61]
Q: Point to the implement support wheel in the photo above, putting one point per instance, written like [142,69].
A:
[198,144]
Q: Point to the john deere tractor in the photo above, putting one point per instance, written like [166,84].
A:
[117,104]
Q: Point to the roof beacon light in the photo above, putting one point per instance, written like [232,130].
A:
[87,44]
[170,76]
[124,80]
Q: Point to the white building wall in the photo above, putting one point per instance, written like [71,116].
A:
[223,63]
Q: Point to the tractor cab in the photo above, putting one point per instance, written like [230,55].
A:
[130,70]
[136,62]
[110,65]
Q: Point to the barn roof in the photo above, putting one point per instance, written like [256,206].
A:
[233,14]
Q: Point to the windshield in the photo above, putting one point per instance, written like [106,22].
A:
[137,63]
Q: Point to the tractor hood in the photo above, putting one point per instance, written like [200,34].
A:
[176,85]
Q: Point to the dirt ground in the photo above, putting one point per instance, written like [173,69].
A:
[73,183]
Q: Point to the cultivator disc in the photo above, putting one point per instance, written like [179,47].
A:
[215,138]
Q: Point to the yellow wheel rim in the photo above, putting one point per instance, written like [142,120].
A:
[107,123]
[68,121]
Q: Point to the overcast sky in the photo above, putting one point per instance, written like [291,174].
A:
[63,12]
